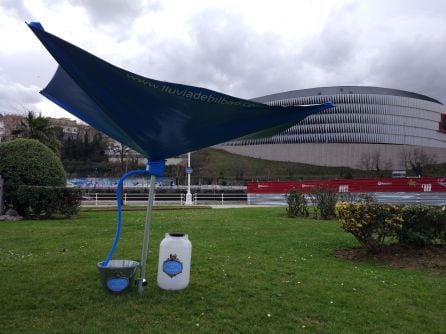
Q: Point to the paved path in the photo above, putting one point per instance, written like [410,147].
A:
[241,206]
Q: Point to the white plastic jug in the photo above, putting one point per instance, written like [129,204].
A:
[174,262]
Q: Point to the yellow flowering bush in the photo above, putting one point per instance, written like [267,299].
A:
[370,223]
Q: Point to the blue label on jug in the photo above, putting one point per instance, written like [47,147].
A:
[172,266]
[117,284]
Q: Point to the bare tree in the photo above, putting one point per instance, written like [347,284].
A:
[416,159]
[374,161]
[365,161]
[121,151]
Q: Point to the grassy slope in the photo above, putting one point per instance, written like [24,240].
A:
[214,163]
[253,271]
[436,170]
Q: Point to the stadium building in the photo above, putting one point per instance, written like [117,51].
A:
[366,122]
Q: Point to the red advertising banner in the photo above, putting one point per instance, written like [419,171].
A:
[407,184]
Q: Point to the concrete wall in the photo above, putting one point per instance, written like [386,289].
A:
[336,155]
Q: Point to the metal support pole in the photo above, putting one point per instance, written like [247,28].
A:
[145,245]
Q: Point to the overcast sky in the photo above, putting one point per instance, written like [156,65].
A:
[242,48]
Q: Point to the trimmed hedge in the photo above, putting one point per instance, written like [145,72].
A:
[28,162]
[45,202]
[372,224]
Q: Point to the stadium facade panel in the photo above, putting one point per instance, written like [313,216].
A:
[388,120]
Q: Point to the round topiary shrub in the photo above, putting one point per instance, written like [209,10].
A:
[28,162]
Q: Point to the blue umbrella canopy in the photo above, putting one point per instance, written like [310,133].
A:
[155,118]
[158,119]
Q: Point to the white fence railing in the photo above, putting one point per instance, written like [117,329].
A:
[98,199]
[164,199]
[213,198]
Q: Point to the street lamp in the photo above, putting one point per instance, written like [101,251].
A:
[188,172]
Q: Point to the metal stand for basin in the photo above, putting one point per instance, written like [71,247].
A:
[145,244]
[154,169]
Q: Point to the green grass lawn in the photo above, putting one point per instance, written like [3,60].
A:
[253,271]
